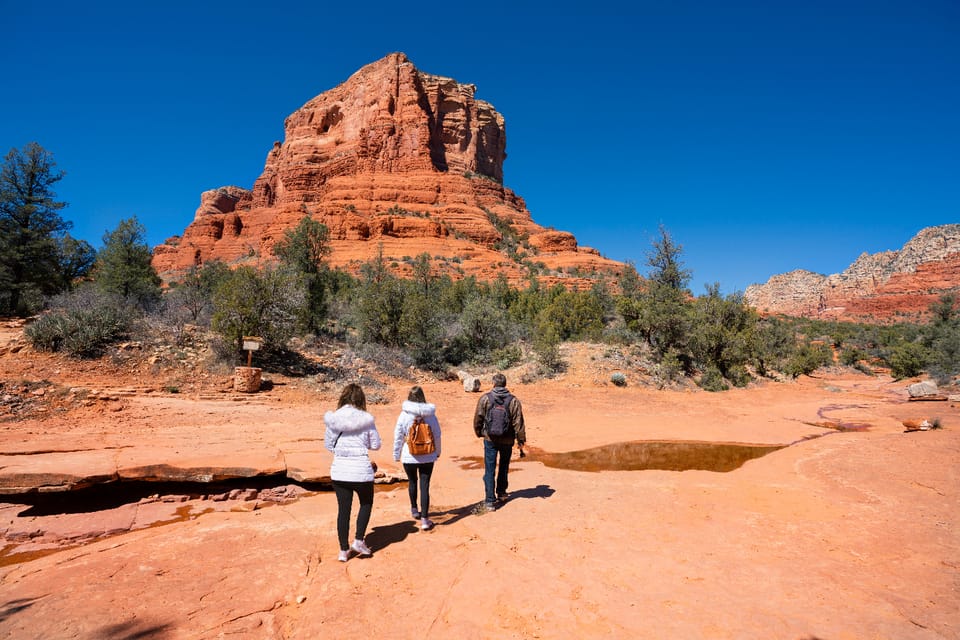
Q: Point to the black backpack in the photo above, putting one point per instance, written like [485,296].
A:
[497,421]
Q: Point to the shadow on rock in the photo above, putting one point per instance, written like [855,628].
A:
[382,537]
[539,491]
[15,606]
[133,631]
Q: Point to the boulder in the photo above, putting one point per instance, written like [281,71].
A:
[471,384]
[923,389]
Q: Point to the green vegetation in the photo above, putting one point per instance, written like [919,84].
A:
[38,257]
[428,320]
[83,323]
[123,265]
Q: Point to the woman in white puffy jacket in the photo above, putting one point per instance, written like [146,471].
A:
[419,468]
[350,433]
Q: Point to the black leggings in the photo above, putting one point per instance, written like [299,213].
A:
[424,470]
[345,491]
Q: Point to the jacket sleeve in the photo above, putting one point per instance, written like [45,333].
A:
[479,415]
[330,439]
[373,438]
[435,428]
[399,435]
[516,419]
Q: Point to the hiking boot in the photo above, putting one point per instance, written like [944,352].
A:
[344,555]
[426,524]
[361,548]
[490,506]
[503,497]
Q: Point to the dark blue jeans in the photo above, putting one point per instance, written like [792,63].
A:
[418,476]
[490,452]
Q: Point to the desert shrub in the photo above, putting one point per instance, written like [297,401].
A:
[546,344]
[774,343]
[574,315]
[712,380]
[507,356]
[670,368]
[483,327]
[82,323]
[807,359]
[943,340]
[851,356]
[721,333]
[907,360]
[379,302]
[423,329]
[253,303]
[619,379]
[738,376]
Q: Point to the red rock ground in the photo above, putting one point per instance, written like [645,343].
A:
[849,535]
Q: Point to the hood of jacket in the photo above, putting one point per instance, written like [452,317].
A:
[419,408]
[348,419]
[500,393]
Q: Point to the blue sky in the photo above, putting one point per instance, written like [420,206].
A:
[765,136]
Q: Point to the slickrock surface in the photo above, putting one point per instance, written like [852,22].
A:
[393,159]
[892,285]
[843,536]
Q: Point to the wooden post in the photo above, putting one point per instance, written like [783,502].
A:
[251,344]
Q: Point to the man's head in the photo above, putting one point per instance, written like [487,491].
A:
[499,380]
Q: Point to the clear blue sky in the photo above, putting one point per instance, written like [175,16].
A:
[765,136]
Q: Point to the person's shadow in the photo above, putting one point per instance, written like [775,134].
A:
[383,536]
[540,491]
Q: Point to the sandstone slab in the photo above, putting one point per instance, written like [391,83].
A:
[56,471]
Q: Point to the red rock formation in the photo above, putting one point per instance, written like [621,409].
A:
[888,286]
[396,159]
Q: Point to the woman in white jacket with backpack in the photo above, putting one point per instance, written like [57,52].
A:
[419,468]
[350,433]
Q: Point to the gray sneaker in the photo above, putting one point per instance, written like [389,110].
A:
[361,548]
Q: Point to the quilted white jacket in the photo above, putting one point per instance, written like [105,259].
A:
[350,434]
[410,409]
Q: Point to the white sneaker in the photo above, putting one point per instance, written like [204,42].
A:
[344,556]
[361,548]
[426,524]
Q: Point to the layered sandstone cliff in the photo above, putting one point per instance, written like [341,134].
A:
[886,286]
[392,160]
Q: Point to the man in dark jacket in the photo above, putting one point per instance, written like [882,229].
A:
[498,411]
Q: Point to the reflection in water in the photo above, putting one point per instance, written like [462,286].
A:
[665,455]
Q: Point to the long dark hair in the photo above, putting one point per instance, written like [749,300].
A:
[353,395]
[416,394]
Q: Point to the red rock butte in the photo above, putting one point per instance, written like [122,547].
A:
[396,160]
[889,286]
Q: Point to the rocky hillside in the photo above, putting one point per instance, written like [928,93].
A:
[397,159]
[886,286]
